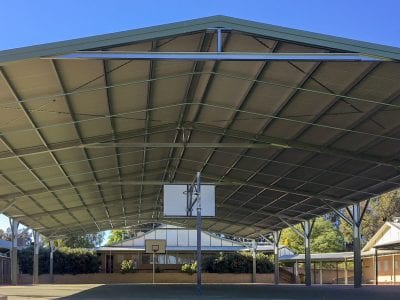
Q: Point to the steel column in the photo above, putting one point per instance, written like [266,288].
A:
[198,224]
[376,264]
[346,279]
[36,258]
[51,267]
[276,235]
[357,246]
[307,244]
[320,273]
[14,251]
[393,269]
[254,252]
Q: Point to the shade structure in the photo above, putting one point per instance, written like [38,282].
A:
[287,124]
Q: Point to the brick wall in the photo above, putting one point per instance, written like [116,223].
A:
[385,269]
[147,278]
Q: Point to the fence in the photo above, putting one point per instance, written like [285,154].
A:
[5,270]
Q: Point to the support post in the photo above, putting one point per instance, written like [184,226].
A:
[296,272]
[154,269]
[307,243]
[357,246]
[376,263]
[36,258]
[51,267]
[277,236]
[337,272]
[14,251]
[198,223]
[254,252]
[393,269]
[219,40]
[346,280]
[320,272]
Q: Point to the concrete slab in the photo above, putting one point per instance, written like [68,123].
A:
[188,291]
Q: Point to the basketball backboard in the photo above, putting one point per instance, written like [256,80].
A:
[155,246]
[176,201]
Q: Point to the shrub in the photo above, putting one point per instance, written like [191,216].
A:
[236,263]
[189,268]
[127,266]
[66,261]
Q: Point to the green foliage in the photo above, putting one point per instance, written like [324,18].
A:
[236,263]
[118,235]
[380,210]
[127,266]
[66,261]
[189,268]
[324,238]
[84,241]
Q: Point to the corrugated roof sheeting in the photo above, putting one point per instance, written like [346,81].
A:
[333,129]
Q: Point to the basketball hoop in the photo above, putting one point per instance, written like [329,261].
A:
[155,248]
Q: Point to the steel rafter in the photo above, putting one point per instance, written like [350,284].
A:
[41,138]
[264,127]
[366,147]
[110,112]
[242,103]
[13,204]
[197,112]
[147,119]
[190,90]
[79,135]
[281,143]
[73,144]
[316,118]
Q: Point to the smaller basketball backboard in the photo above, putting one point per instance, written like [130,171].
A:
[155,246]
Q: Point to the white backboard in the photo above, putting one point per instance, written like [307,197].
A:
[155,246]
[175,201]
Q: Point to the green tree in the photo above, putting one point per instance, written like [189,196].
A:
[118,235]
[380,210]
[324,238]
[115,236]
[90,240]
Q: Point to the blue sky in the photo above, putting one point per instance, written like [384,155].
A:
[27,22]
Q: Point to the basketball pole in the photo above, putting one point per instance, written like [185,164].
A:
[198,224]
[153,267]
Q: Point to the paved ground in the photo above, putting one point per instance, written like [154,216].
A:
[188,291]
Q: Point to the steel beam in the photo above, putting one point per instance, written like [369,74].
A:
[290,144]
[218,56]
[181,145]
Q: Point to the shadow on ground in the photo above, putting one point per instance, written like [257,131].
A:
[236,291]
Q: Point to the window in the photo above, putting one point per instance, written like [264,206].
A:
[120,258]
[146,259]
[385,265]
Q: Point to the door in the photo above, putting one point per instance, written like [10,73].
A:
[109,263]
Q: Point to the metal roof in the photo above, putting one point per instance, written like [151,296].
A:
[86,144]
[338,256]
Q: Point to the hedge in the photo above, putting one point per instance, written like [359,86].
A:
[241,262]
[66,261]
